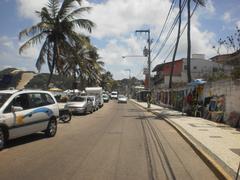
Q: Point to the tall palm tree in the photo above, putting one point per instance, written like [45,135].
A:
[202,3]
[176,45]
[84,62]
[57,30]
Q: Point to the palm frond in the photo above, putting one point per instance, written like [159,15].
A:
[45,15]
[42,55]
[36,29]
[67,5]
[76,12]
[201,2]
[84,23]
[34,40]
[53,6]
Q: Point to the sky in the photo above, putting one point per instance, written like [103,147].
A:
[114,35]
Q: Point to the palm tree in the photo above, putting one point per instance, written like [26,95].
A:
[57,30]
[176,46]
[84,62]
[202,3]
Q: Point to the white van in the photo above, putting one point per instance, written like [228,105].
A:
[114,95]
[25,112]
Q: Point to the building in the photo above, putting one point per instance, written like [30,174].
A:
[200,68]
[228,59]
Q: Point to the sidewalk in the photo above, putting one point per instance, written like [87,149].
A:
[218,144]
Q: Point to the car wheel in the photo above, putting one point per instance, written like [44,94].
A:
[2,138]
[52,128]
[66,117]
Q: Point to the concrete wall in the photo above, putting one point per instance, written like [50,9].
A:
[231,91]
[202,67]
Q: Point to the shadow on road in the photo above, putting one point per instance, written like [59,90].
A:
[25,140]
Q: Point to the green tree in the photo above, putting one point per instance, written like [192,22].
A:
[57,30]
[202,3]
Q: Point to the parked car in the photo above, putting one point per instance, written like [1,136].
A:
[122,99]
[24,112]
[114,95]
[80,105]
[95,102]
[105,97]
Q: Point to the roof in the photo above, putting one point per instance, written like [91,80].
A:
[227,58]
[9,91]
[160,66]
[24,90]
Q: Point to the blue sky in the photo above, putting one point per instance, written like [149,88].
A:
[114,35]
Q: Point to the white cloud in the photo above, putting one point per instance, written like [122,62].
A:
[6,42]
[210,7]
[118,19]
[27,8]
[238,24]
[227,17]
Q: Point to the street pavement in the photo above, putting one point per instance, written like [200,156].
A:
[218,144]
[118,142]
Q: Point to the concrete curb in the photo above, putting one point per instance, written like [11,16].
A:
[210,162]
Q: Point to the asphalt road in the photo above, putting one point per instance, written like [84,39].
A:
[119,141]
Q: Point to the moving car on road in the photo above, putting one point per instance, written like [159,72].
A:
[114,95]
[122,99]
[80,105]
[24,112]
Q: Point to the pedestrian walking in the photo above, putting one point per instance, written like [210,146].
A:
[149,99]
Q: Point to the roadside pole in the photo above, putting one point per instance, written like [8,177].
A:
[147,53]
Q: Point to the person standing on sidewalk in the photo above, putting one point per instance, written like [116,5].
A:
[149,99]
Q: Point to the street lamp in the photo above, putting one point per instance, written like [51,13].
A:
[132,56]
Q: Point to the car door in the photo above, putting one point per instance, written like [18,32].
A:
[22,119]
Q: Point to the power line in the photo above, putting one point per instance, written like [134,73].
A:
[169,13]
[172,46]
[169,32]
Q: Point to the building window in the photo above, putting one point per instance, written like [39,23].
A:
[195,67]
[185,67]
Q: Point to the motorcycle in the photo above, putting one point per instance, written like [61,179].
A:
[65,115]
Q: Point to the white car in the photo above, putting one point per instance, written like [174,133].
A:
[114,95]
[122,99]
[24,112]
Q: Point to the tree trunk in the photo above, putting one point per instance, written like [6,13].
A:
[189,41]
[176,46]
[55,57]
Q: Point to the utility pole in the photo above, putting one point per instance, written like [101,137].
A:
[147,53]
[129,83]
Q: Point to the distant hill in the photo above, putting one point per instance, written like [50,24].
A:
[19,79]
[10,77]
[39,81]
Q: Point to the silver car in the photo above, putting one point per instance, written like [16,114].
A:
[122,99]
[80,105]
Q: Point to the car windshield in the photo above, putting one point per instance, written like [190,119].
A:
[3,98]
[78,99]
[114,93]
[121,96]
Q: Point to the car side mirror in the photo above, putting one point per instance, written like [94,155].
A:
[16,108]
